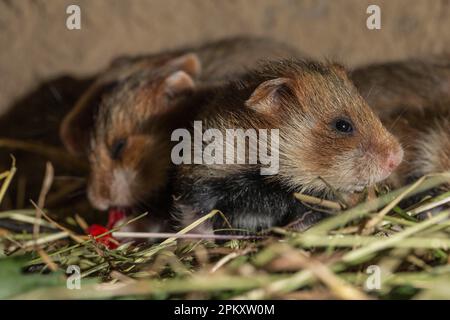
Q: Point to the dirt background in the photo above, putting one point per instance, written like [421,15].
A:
[36,46]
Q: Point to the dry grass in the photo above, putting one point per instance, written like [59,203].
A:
[331,260]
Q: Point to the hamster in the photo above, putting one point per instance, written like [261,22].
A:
[407,84]
[412,98]
[325,128]
[123,122]
[425,136]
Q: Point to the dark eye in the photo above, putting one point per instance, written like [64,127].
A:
[117,148]
[343,126]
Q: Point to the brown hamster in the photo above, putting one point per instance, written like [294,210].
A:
[326,130]
[412,98]
[408,84]
[130,143]
[425,136]
[140,103]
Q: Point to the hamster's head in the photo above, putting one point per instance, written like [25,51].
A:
[129,152]
[328,134]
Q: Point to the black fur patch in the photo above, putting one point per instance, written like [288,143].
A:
[248,200]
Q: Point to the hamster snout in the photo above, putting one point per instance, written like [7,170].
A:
[380,159]
[113,190]
[381,156]
[129,177]
[392,161]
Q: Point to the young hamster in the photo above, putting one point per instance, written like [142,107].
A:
[123,123]
[129,153]
[408,84]
[425,135]
[412,98]
[328,136]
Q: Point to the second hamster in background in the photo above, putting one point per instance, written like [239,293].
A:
[330,139]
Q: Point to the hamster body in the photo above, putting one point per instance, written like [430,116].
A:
[220,60]
[402,85]
[128,115]
[325,128]
[425,136]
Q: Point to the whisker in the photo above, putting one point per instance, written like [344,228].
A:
[397,118]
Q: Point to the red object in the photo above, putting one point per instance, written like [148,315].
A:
[108,240]
[115,215]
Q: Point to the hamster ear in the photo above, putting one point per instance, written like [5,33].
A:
[178,82]
[189,63]
[267,96]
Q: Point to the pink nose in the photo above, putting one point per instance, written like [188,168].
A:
[393,160]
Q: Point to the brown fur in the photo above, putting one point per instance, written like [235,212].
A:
[408,84]
[142,112]
[425,137]
[412,98]
[303,102]
[142,108]
[219,61]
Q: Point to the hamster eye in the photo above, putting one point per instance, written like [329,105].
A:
[343,126]
[117,148]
